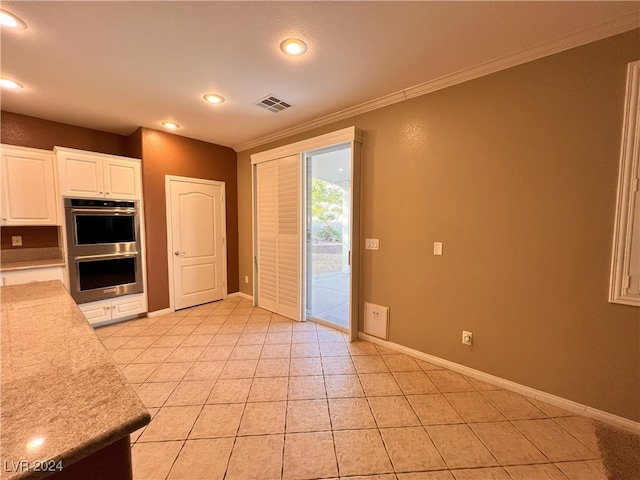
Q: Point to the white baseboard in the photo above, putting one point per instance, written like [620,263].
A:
[560,402]
[159,313]
[241,295]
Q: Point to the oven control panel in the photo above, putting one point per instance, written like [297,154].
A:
[92,203]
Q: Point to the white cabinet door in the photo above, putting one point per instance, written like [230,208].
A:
[80,175]
[96,312]
[28,187]
[108,311]
[96,175]
[128,305]
[122,179]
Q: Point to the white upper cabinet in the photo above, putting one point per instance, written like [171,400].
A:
[28,187]
[95,175]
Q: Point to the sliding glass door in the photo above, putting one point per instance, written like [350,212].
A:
[306,229]
[328,238]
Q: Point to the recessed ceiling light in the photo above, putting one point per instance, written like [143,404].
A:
[10,84]
[170,125]
[35,443]
[10,20]
[293,46]
[214,98]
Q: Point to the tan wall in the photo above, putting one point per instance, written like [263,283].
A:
[167,154]
[516,173]
[32,237]
[26,131]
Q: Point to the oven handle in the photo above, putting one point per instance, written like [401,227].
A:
[107,211]
[105,255]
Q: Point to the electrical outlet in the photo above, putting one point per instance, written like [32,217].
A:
[246,279]
[16,241]
[376,320]
[467,338]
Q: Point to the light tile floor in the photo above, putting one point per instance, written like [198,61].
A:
[238,393]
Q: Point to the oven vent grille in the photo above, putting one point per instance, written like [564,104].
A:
[273,104]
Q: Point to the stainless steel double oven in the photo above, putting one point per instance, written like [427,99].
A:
[104,248]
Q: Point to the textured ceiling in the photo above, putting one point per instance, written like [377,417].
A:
[115,66]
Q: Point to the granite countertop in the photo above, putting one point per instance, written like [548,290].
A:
[63,398]
[24,259]
[28,264]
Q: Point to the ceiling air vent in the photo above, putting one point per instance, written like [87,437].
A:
[273,104]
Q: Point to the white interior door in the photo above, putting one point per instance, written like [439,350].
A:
[196,241]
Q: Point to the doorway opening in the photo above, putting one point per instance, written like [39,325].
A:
[328,245]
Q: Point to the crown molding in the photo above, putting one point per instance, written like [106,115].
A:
[582,37]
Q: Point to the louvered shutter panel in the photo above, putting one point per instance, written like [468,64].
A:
[267,222]
[289,237]
[278,245]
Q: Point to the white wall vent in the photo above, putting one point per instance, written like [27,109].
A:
[273,104]
[376,320]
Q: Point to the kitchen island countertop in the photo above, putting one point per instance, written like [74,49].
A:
[63,398]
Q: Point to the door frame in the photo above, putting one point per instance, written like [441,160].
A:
[345,135]
[167,194]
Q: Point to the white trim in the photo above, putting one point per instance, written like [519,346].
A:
[98,155]
[167,186]
[241,295]
[349,134]
[560,402]
[113,321]
[326,323]
[624,227]
[608,29]
[254,239]
[160,313]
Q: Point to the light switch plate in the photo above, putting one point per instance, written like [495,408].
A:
[372,244]
[437,248]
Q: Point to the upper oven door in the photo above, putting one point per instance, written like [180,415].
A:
[102,227]
[96,227]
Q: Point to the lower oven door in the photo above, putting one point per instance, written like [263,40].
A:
[99,277]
